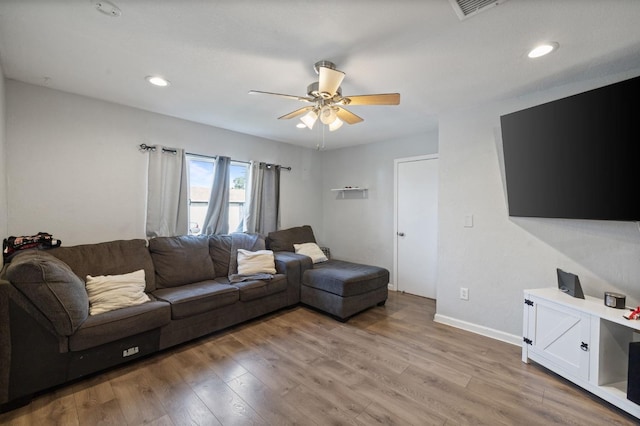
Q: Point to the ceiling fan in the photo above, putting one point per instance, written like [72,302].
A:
[327,102]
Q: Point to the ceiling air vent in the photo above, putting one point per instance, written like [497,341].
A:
[468,8]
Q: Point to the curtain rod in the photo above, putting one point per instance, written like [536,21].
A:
[268,165]
[201,155]
[152,148]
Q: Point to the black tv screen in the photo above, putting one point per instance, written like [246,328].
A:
[577,157]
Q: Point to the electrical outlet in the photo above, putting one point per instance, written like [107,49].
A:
[464,293]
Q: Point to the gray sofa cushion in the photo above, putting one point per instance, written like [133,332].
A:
[109,258]
[255,289]
[219,250]
[345,278]
[285,239]
[52,287]
[193,299]
[181,260]
[114,325]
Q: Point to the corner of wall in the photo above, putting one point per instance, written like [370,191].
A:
[359,227]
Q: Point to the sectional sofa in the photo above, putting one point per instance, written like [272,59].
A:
[172,290]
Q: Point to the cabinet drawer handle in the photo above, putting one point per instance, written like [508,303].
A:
[584,346]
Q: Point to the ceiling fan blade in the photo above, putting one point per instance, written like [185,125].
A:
[297,98]
[297,113]
[329,81]
[379,99]
[347,116]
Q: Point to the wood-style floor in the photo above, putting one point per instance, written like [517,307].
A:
[388,365]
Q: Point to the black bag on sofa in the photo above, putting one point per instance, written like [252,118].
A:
[42,240]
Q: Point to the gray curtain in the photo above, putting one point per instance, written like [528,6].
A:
[253,188]
[263,213]
[167,213]
[216,221]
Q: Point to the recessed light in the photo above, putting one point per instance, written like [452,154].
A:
[157,81]
[301,126]
[543,49]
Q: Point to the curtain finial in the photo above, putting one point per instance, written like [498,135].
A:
[146,148]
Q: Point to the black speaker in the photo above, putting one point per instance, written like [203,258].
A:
[633,374]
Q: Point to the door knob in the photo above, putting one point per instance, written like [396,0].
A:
[400,234]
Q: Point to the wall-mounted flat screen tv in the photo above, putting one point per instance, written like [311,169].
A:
[576,157]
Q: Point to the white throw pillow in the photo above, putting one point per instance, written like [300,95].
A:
[312,250]
[110,292]
[256,262]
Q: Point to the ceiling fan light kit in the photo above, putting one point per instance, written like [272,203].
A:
[337,123]
[328,114]
[328,102]
[309,119]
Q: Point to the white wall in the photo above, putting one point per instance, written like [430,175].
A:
[3,163]
[501,256]
[74,168]
[357,229]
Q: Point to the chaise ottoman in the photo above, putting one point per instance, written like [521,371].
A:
[343,289]
[339,288]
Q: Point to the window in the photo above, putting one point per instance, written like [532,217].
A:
[237,195]
[200,172]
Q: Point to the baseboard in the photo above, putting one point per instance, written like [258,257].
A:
[391,287]
[479,329]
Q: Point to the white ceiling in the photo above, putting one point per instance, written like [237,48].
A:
[214,51]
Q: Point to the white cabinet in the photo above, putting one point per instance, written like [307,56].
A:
[560,336]
[582,340]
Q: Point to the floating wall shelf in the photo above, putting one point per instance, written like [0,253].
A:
[343,190]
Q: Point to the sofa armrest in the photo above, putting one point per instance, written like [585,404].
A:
[5,341]
[52,287]
[286,260]
[11,301]
[14,309]
[293,266]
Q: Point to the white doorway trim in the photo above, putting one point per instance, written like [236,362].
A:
[396,162]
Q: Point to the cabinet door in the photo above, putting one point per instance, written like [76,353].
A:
[562,338]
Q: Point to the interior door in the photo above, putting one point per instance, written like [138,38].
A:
[417,225]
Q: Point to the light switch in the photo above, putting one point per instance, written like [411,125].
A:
[468,221]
